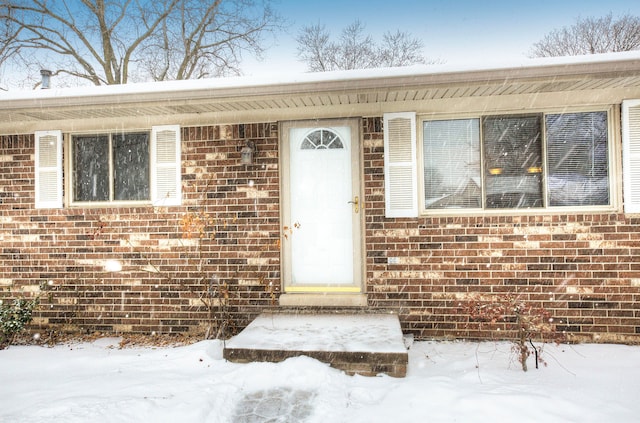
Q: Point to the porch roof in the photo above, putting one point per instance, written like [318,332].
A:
[312,95]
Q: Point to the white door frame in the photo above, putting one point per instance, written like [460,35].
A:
[289,227]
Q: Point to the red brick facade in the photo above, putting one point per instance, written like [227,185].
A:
[225,240]
[583,268]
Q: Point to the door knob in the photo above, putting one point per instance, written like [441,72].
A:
[356,204]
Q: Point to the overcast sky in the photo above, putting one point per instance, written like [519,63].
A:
[456,32]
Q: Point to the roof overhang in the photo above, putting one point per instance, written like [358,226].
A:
[345,93]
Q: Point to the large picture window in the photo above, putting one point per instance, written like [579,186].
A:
[111,167]
[516,161]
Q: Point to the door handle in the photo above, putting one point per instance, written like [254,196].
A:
[356,204]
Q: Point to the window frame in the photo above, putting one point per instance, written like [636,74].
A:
[69,166]
[613,161]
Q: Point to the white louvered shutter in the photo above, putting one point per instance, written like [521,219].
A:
[631,155]
[48,167]
[400,178]
[165,166]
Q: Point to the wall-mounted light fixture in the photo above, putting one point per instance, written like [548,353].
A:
[247,152]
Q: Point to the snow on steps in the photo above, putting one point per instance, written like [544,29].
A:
[365,344]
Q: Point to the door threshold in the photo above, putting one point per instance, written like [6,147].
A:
[324,299]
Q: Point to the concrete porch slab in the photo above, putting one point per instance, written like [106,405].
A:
[366,344]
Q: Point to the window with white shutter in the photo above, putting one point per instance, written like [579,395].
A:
[631,155]
[126,167]
[401,193]
[165,165]
[520,161]
[48,164]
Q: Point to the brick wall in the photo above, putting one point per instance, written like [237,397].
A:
[583,268]
[224,239]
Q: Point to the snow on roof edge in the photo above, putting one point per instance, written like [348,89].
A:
[316,77]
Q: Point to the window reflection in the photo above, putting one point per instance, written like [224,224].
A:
[91,168]
[111,167]
[513,161]
[452,164]
[517,161]
[577,159]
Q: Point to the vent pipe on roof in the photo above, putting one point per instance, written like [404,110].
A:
[46,79]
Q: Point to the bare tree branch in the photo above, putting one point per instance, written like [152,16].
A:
[399,49]
[209,39]
[591,36]
[108,42]
[315,48]
[355,50]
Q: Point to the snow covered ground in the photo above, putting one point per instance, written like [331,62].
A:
[446,382]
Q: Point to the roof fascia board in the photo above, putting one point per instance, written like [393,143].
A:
[173,93]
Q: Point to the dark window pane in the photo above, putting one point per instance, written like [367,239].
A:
[513,161]
[91,168]
[452,164]
[131,166]
[577,159]
[331,140]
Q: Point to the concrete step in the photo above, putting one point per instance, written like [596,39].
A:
[365,344]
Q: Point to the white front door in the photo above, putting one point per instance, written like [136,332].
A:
[321,207]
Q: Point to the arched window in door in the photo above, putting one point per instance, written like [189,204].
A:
[321,139]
